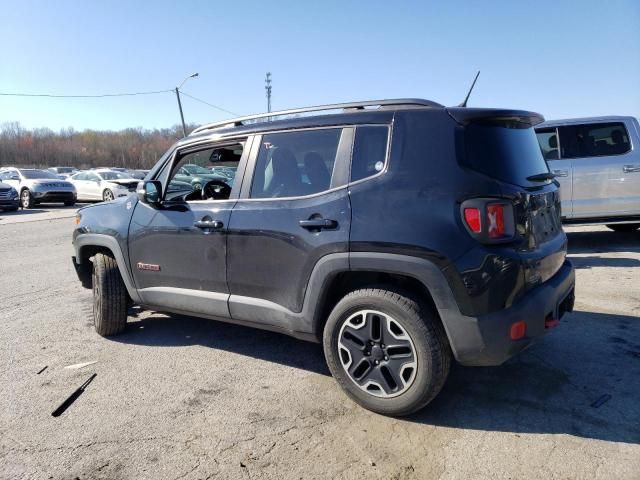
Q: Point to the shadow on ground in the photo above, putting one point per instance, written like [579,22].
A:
[603,241]
[550,388]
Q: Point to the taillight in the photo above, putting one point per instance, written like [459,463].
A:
[488,219]
[472,217]
[495,219]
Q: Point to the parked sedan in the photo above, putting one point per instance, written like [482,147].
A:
[38,186]
[103,184]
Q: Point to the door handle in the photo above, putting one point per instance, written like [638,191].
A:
[318,224]
[209,224]
[560,173]
[631,168]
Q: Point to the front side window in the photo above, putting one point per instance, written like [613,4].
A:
[548,140]
[594,140]
[369,151]
[195,175]
[293,164]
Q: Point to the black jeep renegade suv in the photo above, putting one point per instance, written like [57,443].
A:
[400,233]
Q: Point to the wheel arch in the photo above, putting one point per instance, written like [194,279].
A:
[89,244]
[414,275]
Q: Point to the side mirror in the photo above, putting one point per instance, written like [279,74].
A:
[149,192]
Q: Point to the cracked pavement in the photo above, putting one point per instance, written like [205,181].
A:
[177,397]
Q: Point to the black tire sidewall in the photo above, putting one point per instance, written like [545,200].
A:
[421,390]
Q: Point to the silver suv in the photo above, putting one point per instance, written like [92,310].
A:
[38,186]
[597,162]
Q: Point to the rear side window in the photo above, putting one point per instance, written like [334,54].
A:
[594,140]
[293,164]
[369,151]
[548,140]
[507,153]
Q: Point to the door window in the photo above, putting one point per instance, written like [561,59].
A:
[594,140]
[206,174]
[548,140]
[293,164]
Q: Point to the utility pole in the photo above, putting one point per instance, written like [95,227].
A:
[184,127]
[267,87]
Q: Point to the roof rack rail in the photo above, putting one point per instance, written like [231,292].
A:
[236,122]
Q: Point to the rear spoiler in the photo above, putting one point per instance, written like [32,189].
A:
[495,116]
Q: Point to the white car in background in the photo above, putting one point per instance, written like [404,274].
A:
[103,184]
[38,186]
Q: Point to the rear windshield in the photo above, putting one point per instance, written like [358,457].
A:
[504,153]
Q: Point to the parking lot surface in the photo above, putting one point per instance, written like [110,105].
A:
[179,397]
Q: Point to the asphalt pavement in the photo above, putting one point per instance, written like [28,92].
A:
[180,397]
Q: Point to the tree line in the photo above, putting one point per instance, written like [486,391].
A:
[135,148]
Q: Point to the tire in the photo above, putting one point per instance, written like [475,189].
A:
[420,330]
[624,227]
[26,199]
[69,204]
[107,195]
[109,296]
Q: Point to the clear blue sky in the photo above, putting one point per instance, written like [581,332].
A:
[560,58]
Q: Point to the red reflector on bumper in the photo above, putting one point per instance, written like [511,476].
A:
[551,322]
[518,330]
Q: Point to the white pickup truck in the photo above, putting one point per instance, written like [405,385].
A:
[597,162]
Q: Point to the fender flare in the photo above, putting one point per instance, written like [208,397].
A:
[455,324]
[101,240]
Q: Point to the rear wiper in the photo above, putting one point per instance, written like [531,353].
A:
[541,177]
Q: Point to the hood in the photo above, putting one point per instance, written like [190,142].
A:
[5,186]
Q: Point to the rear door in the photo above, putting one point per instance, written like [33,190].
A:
[603,185]
[562,168]
[294,209]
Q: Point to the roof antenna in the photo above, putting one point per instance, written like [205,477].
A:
[464,104]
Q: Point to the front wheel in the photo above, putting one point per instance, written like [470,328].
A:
[109,296]
[26,199]
[624,227]
[107,195]
[387,350]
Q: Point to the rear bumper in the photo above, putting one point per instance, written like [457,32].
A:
[486,340]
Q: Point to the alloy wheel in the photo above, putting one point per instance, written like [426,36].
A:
[377,353]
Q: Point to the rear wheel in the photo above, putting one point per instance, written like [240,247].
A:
[387,350]
[26,199]
[109,296]
[624,227]
[107,195]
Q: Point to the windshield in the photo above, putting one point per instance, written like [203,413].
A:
[31,174]
[507,154]
[197,170]
[115,176]
[66,169]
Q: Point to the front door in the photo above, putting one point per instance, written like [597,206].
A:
[602,186]
[294,211]
[178,250]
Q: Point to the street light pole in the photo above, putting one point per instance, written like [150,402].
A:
[184,127]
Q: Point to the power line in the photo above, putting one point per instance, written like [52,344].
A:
[50,95]
[210,104]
